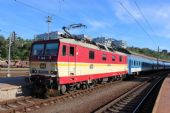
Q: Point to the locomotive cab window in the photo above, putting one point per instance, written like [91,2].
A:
[120,58]
[64,50]
[71,51]
[91,54]
[103,56]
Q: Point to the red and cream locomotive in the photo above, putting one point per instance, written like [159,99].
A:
[68,62]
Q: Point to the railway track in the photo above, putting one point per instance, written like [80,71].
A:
[133,100]
[28,104]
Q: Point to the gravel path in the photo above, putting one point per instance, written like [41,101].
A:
[95,99]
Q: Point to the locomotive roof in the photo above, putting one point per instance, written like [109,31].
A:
[88,45]
[83,44]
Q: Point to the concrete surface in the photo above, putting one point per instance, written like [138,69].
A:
[162,104]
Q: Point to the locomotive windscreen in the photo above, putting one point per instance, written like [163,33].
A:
[37,49]
[45,49]
[51,49]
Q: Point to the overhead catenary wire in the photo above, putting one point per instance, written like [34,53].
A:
[137,22]
[43,11]
[146,20]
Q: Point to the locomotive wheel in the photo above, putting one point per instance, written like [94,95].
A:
[84,86]
[78,86]
[63,89]
[100,80]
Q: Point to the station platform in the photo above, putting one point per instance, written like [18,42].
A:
[13,87]
[162,104]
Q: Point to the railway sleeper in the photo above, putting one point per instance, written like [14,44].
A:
[112,109]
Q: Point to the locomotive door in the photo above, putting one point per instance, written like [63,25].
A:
[72,60]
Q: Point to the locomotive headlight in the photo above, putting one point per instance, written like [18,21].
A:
[53,72]
[34,70]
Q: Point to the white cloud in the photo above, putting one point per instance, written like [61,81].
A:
[97,24]
[158,15]
[121,11]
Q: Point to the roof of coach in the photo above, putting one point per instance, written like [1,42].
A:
[146,57]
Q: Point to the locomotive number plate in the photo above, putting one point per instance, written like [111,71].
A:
[42,65]
[43,71]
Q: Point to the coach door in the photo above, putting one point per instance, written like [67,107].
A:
[72,60]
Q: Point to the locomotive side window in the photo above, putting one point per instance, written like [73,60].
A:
[103,56]
[120,58]
[71,51]
[64,50]
[91,54]
[113,58]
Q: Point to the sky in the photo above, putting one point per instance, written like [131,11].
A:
[142,23]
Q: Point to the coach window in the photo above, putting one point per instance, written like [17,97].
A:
[71,51]
[120,58]
[113,58]
[64,50]
[131,62]
[103,56]
[91,54]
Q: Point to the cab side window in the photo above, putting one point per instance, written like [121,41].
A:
[64,50]
[71,51]
[120,58]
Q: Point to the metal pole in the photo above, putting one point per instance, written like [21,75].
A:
[9,56]
[49,21]
[48,31]
[158,58]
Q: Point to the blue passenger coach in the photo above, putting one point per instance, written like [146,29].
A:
[141,63]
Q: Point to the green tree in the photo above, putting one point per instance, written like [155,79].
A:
[3,47]
[20,49]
